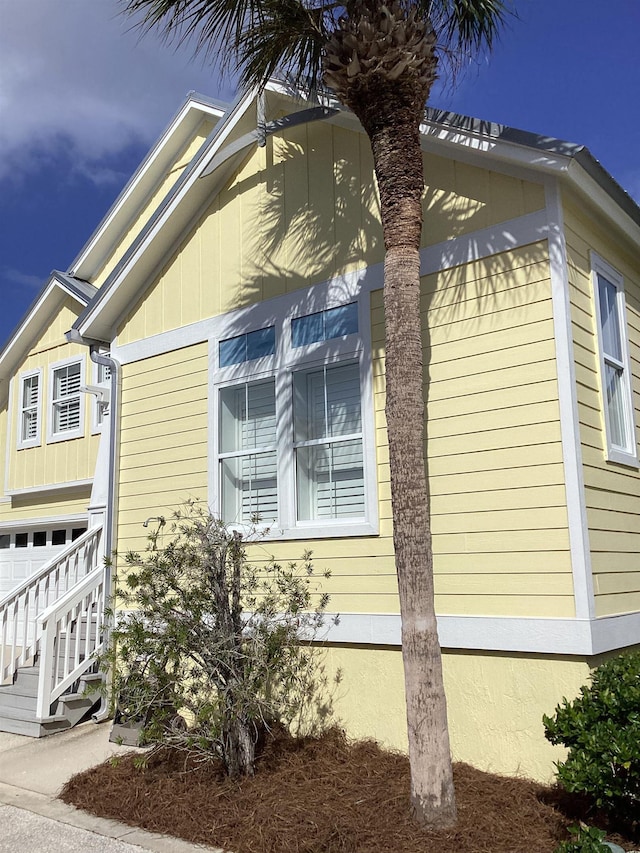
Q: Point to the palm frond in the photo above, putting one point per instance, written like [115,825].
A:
[465,26]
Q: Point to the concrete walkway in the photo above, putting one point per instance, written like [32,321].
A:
[33,820]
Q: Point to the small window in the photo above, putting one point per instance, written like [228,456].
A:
[29,410]
[614,364]
[76,532]
[21,540]
[5,540]
[39,538]
[58,537]
[325,325]
[103,377]
[247,347]
[66,409]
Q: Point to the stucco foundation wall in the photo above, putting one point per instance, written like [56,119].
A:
[495,703]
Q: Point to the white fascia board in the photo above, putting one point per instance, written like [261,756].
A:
[140,264]
[142,183]
[598,198]
[45,521]
[575,637]
[37,315]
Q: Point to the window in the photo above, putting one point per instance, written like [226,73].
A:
[76,532]
[102,375]
[290,435]
[39,538]
[58,537]
[5,540]
[615,370]
[247,347]
[248,460]
[328,443]
[29,409]
[67,419]
[325,325]
[21,540]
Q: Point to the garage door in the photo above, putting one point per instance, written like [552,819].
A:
[22,552]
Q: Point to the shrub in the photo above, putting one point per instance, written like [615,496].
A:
[601,729]
[226,643]
[586,839]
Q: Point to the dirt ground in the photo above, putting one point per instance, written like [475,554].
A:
[323,795]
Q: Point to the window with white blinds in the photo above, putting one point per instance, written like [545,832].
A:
[66,401]
[328,443]
[294,447]
[248,453]
[29,417]
[614,364]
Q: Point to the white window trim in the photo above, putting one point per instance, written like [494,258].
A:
[622,456]
[66,435]
[37,440]
[282,365]
[98,403]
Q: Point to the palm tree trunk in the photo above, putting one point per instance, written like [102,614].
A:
[392,124]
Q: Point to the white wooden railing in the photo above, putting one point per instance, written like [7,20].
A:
[19,610]
[70,638]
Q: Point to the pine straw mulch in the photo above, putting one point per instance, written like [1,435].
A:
[323,795]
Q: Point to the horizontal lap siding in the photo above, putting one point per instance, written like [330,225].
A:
[495,458]
[163,448]
[612,492]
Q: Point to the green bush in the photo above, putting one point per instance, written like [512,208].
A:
[601,729]
[586,839]
[214,650]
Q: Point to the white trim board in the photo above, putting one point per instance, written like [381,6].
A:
[484,243]
[582,637]
[45,521]
[568,402]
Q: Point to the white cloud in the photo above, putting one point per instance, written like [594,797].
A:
[75,78]
[24,280]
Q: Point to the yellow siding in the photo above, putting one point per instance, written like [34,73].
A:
[612,491]
[153,201]
[50,505]
[461,198]
[303,210]
[163,451]
[62,461]
[495,457]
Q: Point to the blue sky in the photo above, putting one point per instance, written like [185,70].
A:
[82,98]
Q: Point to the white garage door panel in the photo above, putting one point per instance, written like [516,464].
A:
[19,560]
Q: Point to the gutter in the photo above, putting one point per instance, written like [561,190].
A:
[97,357]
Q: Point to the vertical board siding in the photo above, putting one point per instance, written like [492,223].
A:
[302,210]
[612,491]
[61,461]
[152,202]
[163,449]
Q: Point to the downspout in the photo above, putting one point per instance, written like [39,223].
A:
[109,522]
[73,336]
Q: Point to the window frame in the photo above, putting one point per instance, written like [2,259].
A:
[77,432]
[282,366]
[99,408]
[615,453]
[36,441]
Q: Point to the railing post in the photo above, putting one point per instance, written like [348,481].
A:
[47,660]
